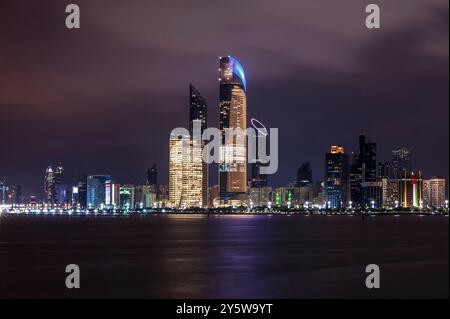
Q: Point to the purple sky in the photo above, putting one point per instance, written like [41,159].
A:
[104,98]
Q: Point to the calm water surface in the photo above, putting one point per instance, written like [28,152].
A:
[195,256]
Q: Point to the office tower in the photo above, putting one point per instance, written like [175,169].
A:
[198,110]
[179,158]
[112,197]
[434,192]
[259,135]
[389,192]
[60,188]
[3,191]
[96,191]
[401,162]
[127,193]
[198,116]
[82,191]
[49,187]
[304,175]
[233,115]
[410,190]
[367,159]
[152,176]
[337,188]
[75,198]
[356,180]
[384,169]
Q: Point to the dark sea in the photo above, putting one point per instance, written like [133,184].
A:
[233,256]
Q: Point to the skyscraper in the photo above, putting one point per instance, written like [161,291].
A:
[82,191]
[3,191]
[364,173]
[384,169]
[401,162]
[198,110]
[152,176]
[96,190]
[356,180]
[179,157]
[49,186]
[304,175]
[233,115]
[336,178]
[198,114]
[410,192]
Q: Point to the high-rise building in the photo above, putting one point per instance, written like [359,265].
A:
[152,176]
[384,169]
[82,191]
[389,190]
[363,171]
[75,199]
[233,115]
[50,186]
[198,116]
[179,158]
[60,188]
[401,162]
[304,175]
[259,136]
[3,191]
[127,196]
[356,180]
[337,188]
[410,190]
[112,194]
[434,192]
[96,191]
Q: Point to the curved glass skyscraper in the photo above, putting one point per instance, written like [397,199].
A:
[233,115]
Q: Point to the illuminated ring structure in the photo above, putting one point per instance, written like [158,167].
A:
[259,126]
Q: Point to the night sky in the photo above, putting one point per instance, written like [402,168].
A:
[104,98]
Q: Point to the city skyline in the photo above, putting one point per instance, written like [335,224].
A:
[110,113]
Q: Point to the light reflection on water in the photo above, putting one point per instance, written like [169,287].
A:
[223,256]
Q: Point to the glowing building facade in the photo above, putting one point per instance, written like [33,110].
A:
[410,190]
[337,187]
[198,189]
[434,192]
[179,149]
[233,115]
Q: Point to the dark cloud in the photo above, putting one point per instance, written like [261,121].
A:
[104,98]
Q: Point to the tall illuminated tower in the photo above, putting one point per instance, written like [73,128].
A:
[49,186]
[198,190]
[233,115]
[179,158]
